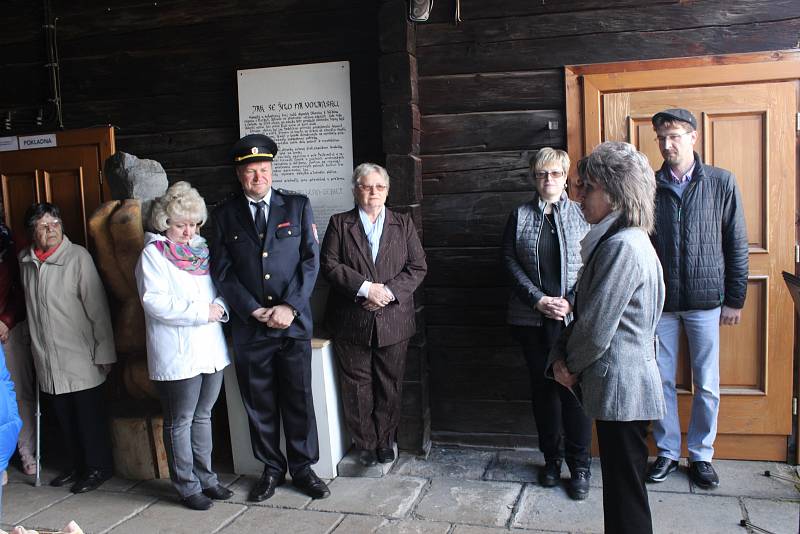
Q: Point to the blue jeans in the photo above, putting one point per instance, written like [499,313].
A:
[187,430]
[702,332]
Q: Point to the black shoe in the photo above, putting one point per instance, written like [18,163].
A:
[578,486]
[218,493]
[265,487]
[67,477]
[93,480]
[703,474]
[309,483]
[366,457]
[661,469]
[550,474]
[198,501]
[385,455]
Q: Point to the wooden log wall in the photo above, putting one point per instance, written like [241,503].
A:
[487,89]
[164,73]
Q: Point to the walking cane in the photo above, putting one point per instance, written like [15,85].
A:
[38,440]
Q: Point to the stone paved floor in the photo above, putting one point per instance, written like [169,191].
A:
[453,491]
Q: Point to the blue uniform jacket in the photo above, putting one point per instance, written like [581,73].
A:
[283,269]
[10,423]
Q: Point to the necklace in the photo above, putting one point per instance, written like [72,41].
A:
[552,227]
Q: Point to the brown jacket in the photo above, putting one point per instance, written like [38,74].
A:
[346,262]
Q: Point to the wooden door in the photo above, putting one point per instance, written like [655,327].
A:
[68,175]
[747,126]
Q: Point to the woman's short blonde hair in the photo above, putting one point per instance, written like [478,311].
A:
[549,155]
[181,202]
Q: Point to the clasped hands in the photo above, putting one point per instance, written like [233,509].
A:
[554,307]
[377,298]
[280,316]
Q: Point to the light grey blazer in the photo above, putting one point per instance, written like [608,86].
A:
[612,344]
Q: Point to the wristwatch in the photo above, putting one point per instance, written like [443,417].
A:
[295,312]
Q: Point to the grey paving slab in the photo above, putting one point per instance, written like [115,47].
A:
[551,509]
[391,496]
[23,500]
[675,513]
[158,487]
[746,479]
[410,526]
[96,511]
[282,521]
[677,482]
[172,518]
[515,466]
[163,488]
[119,484]
[359,524]
[285,496]
[447,462]
[780,517]
[468,501]
[469,529]
[349,466]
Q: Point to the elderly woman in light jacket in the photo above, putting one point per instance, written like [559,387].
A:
[186,350]
[72,344]
[608,354]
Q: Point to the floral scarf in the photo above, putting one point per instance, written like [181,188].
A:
[192,259]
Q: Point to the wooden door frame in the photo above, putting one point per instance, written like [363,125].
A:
[100,136]
[583,104]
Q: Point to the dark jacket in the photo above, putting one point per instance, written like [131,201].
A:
[281,270]
[346,262]
[701,240]
[521,255]
[12,298]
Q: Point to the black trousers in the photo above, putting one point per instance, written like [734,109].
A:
[372,391]
[623,460]
[275,380]
[83,420]
[558,414]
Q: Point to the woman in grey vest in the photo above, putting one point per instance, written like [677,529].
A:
[541,252]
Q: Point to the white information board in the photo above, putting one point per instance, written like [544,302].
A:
[306,110]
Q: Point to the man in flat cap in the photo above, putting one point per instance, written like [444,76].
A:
[701,239]
[264,261]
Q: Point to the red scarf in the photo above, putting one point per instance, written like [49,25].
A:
[43,255]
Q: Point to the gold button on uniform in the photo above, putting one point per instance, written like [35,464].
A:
[266,277]
[269,298]
[289,232]
[264,254]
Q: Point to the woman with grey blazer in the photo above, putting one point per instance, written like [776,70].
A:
[541,253]
[608,354]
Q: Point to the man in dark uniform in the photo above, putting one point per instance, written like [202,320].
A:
[264,261]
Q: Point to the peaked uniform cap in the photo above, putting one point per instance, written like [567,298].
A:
[252,148]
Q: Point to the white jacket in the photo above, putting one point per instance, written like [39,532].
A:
[181,343]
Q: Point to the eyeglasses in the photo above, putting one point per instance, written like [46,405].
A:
[54,224]
[542,175]
[380,188]
[674,138]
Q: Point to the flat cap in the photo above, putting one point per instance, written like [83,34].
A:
[252,148]
[675,114]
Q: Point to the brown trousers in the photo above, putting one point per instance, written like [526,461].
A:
[371,379]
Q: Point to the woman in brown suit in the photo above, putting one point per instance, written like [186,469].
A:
[373,259]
